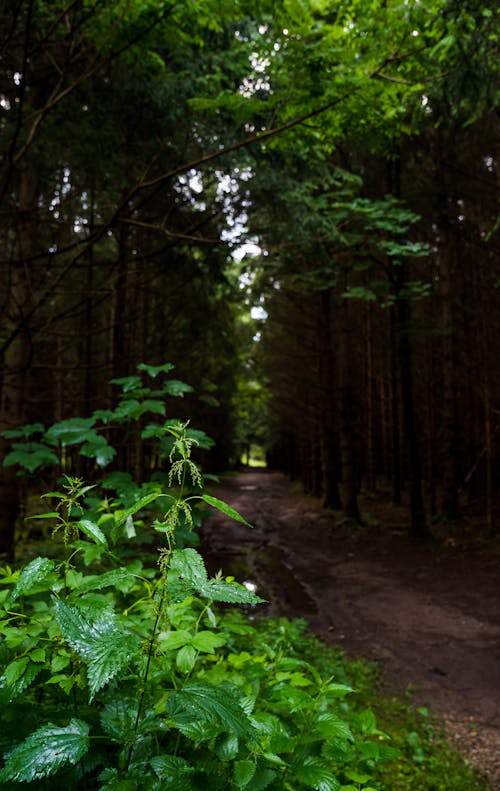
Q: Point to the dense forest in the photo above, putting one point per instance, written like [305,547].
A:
[170,170]
[237,230]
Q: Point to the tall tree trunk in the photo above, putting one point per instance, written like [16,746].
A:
[419,527]
[449,452]
[328,445]
[347,411]
[17,356]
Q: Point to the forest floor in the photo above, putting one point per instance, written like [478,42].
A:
[429,613]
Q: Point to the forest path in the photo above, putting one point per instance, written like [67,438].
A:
[429,613]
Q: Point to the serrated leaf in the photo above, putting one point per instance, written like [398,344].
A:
[204,702]
[104,646]
[243,772]
[189,565]
[105,580]
[227,750]
[118,718]
[45,751]
[32,576]
[173,772]
[225,508]
[19,675]
[228,592]
[93,531]
[330,726]
[316,773]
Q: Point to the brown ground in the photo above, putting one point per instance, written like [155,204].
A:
[429,613]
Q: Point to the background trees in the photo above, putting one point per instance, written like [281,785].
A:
[142,142]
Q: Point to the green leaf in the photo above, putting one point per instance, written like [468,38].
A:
[207,641]
[108,578]
[189,565]
[204,702]
[99,450]
[31,577]
[31,456]
[225,508]
[228,592]
[71,431]
[176,388]
[316,774]
[331,727]
[18,676]
[185,659]
[137,506]
[154,370]
[128,383]
[26,431]
[173,772]
[92,531]
[171,641]
[101,643]
[243,772]
[45,751]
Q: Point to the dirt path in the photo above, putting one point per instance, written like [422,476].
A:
[430,614]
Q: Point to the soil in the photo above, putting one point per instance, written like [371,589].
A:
[427,612]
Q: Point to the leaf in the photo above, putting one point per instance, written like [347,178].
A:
[92,531]
[316,773]
[176,388]
[331,727]
[71,431]
[128,383]
[189,565]
[45,751]
[32,576]
[207,641]
[18,676]
[26,431]
[105,647]
[99,450]
[108,578]
[204,702]
[137,506]
[171,641]
[31,456]
[243,772]
[154,370]
[228,592]
[173,772]
[186,658]
[225,508]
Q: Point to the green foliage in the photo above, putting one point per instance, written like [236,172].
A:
[117,675]
[163,685]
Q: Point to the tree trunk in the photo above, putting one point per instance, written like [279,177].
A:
[17,357]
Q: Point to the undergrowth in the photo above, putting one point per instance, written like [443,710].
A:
[124,670]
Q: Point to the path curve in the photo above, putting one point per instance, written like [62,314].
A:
[428,613]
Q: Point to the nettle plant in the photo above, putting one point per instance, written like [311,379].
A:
[119,673]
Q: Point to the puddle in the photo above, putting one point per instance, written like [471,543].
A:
[265,571]
[249,488]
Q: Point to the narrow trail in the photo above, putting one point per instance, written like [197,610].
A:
[428,613]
